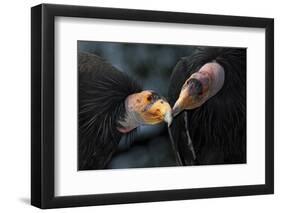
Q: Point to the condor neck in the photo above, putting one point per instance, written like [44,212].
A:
[129,123]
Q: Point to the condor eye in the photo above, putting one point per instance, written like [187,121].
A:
[149,98]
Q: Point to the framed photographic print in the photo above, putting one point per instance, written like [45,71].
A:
[140,106]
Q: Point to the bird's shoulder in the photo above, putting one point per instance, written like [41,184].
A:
[90,65]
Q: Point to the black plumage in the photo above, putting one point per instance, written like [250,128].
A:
[218,127]
[102,92]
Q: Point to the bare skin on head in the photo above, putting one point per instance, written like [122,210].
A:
[199,87]
[145,108]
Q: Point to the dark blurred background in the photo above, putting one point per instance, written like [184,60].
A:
[151,65]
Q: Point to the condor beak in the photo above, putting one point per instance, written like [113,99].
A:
[178,107]
[199,87]
[168,118]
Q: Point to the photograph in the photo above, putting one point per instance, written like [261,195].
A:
[160,105]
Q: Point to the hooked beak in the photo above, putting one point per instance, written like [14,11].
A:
[199,87]
[168,118]
[177,108]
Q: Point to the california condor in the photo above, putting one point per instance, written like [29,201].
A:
[111,105]
[208,94]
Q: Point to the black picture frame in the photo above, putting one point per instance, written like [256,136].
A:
[43,117]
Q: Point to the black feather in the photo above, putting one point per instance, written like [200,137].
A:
[102,93]
[218,127]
